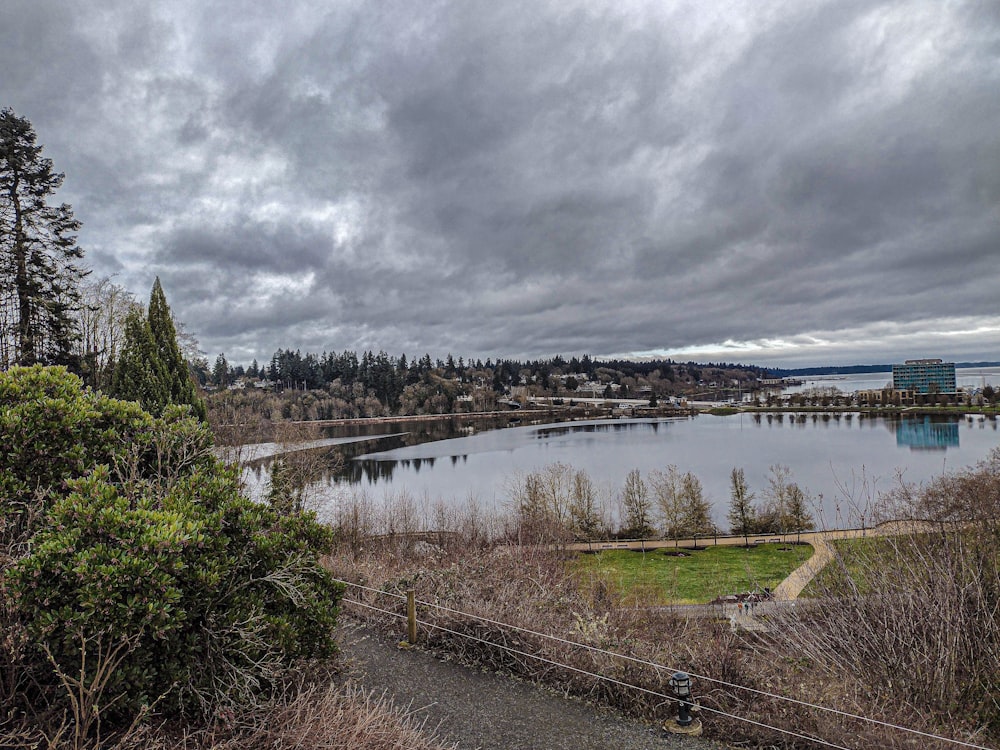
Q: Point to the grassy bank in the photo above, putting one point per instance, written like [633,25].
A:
[664,576]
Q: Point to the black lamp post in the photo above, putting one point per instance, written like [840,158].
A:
[681,684]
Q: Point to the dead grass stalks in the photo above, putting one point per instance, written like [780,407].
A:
[332,718]
[315,717]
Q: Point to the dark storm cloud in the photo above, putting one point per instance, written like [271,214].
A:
[814,181]
[244,247]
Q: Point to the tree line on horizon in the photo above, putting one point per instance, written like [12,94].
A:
[293,369]
[336,385]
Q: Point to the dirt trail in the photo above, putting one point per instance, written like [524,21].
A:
[483,710]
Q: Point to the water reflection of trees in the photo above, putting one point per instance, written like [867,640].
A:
[345,464]
[599,427]
[375,470]
[420,431]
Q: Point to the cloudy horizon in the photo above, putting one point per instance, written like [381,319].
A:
[785,184]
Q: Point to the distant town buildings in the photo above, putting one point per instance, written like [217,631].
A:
[924,376]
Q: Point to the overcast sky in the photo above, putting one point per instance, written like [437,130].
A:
[768,182]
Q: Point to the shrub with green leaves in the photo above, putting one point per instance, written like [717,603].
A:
[53,430]
[141,549]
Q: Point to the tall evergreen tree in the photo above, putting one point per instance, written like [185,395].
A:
[161,324]
[151,369]
[799,517]
[39,275]
[697,509]
[139,375]
[220,373]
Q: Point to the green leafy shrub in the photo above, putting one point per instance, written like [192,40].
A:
[54,430]
[140,547]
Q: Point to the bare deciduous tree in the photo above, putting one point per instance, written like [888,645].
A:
[636,506]
[742,515]
[667,491]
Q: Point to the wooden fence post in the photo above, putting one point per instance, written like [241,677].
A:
[411,617]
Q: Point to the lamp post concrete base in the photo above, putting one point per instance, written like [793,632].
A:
[693,729]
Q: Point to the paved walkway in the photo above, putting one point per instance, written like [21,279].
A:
[799,578]
[482,710]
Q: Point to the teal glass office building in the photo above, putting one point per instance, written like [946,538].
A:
[924,376]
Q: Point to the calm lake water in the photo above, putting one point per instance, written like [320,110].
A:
[838,459]
[829,457]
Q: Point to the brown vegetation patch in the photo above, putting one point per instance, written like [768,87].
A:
[916,647]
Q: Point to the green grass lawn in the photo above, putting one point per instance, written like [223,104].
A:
[659,577]
[853,553]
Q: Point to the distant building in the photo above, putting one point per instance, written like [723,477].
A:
[924,376]
[885,397]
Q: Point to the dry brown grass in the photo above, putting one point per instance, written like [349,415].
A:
[331,717]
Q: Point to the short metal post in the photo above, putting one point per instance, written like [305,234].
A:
[411,616]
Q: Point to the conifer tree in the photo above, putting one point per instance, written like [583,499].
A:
[161,325]
[697,509]
[39,275]
[220,373]
[151,369]
[799,517]
[139,375]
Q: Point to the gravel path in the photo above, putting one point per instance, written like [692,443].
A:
[485,711]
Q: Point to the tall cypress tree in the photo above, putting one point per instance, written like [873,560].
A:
[151,369]
[161,324]
[39,275]
[139,375]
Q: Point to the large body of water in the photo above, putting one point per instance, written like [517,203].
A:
[842,460]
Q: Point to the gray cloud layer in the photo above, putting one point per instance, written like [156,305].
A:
[807,181]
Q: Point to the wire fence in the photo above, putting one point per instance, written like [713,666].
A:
[632,659]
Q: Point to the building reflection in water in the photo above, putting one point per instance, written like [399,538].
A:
[923,433]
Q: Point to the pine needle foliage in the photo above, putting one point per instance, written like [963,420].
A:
[39,273]
[151,369]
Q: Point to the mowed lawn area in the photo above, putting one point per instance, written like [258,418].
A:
[695,576]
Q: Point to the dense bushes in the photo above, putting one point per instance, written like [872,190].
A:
[132,571]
